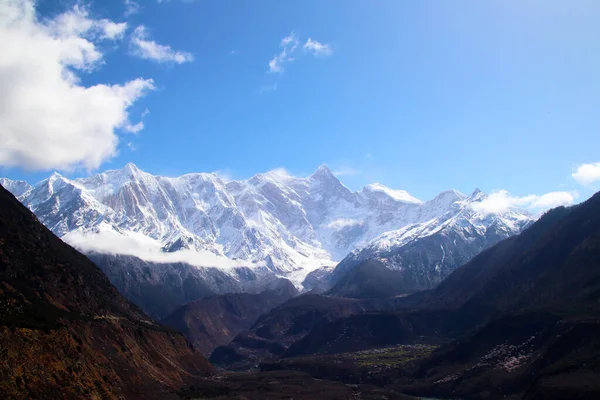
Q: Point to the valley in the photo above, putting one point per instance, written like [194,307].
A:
[299,200]
[522,313]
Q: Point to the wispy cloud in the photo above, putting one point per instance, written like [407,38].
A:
[288,45]
[135,128]
[346,171]
[502,201]
[267,88]
[317,48]
[131,7]
[143,47]
[586,174]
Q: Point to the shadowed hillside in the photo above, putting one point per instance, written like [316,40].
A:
[214,321]
[65,329]
[525,312]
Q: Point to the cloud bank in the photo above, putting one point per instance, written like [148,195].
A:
[147,249]
[502,201]
[48,119]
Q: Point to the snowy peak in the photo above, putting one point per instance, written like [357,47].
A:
[287,224]
[17,188]
[447,233]
[323,173]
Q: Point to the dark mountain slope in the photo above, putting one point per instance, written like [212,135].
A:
[274,331]
[160,288]
[422,262]
[555,261]
[156,288]
[214,321]
[526,312]
[370,279]
[65,329]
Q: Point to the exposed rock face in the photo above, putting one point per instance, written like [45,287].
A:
[65,329]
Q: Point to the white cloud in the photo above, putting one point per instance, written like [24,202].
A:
[76,23]
[318,49]
[226,174]
[111,242]
[48,119]
[288,45]
[502,201]
[345,171]
[131,7]
[135,128]
[342,223]
[147,49]
[280,174]
[586,174]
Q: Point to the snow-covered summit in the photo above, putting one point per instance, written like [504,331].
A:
[290,225]
[449,233]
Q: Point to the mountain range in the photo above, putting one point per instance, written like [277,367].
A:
[519,320]
[273,223]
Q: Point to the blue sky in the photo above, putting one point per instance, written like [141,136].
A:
[417,95]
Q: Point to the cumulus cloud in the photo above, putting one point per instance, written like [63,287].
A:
[318,49]
[288,45]
[586,174]
[502,201]
[76,22]
[143,47]
[48,119]
[111,242]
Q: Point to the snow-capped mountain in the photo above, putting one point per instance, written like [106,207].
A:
[290,225]
[425,253]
